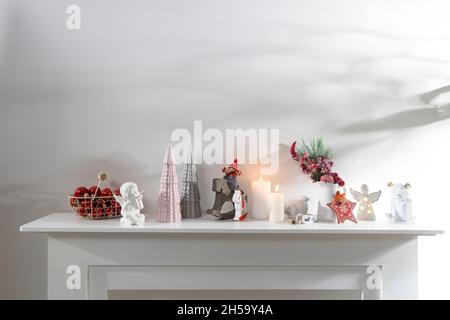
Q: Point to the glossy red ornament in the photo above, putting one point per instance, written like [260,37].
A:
[95,191]
[82,212]
[80,192]
[87,203]
[97,212]
[98,203]
[107,192]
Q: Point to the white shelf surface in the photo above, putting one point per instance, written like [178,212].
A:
[68,222]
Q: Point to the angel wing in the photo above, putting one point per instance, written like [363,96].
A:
[356,194]
[121,200]
[374,196]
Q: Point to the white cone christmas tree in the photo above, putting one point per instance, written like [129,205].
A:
[190,194]
[169,197]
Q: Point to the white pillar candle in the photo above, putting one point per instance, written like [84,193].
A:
[260,199]
[276,206]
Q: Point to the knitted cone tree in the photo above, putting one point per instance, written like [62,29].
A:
[169,197]
[190,195]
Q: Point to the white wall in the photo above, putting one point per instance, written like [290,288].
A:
[361,73]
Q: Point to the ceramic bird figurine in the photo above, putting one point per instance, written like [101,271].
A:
[365,201]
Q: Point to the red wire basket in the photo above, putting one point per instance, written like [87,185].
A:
[96,207]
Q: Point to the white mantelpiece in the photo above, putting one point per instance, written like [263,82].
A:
[65,222]
[205,254]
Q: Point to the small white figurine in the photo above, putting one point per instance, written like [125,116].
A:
[305,218]
[365,201]
[401,204]
[131,204]
[297,206]
[240,203]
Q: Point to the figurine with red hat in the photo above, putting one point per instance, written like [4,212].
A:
[228,192]
[231,172]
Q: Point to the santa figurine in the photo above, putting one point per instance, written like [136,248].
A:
[240,205]
[231,172]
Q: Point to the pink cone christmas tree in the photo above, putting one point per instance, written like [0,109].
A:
[169,197]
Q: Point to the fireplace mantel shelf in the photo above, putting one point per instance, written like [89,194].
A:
[205,254]
[68,222]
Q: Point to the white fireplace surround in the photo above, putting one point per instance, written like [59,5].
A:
[205,254]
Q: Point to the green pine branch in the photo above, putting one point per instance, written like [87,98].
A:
[315,148]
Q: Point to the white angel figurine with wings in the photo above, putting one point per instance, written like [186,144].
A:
[365,201]
[130,200]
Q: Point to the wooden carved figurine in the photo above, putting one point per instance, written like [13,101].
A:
[224,206]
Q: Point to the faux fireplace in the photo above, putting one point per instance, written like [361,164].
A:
[230,260]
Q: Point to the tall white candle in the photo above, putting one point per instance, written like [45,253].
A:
[276,206]
[260,199]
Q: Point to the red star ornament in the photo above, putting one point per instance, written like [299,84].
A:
[343,208]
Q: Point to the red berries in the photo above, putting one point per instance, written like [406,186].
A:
[338,179]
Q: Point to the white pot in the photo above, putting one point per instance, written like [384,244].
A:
[325,193]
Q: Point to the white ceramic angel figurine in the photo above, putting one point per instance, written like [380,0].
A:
[365,201]
[131,204]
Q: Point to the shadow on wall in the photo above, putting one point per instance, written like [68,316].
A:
[409,118]
[121,168]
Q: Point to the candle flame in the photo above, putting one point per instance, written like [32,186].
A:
[277,187]
[260,178]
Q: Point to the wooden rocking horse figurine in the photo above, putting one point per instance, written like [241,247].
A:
[224,189]
[223,194]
